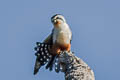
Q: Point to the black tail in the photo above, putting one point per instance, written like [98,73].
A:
[43,55]
[37,66]
[50,63]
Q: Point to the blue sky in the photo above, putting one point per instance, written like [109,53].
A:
[96,36]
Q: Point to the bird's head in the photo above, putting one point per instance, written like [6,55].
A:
[57,20]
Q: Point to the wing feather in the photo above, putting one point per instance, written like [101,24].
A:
[49,39]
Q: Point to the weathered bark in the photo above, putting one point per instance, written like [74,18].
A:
[73,67]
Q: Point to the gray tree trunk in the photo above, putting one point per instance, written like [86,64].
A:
[73,67]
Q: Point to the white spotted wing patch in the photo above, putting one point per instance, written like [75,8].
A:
[45,48]
[42,45]
[41,49]
[38,43]
[44,57]
[46,51]
[46,45]
[41,59]
[42,53]
[47,59]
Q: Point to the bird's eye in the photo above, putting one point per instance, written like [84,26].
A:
[57,18]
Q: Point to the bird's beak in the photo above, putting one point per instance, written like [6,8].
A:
[56,22]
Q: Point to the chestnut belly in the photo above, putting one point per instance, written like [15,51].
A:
[63,46]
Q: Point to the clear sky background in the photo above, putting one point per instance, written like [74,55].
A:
[96,36]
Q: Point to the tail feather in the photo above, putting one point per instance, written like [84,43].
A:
[37,66]
[50,63]
[43,57]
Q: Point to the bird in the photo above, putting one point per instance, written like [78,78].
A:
[59,40]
